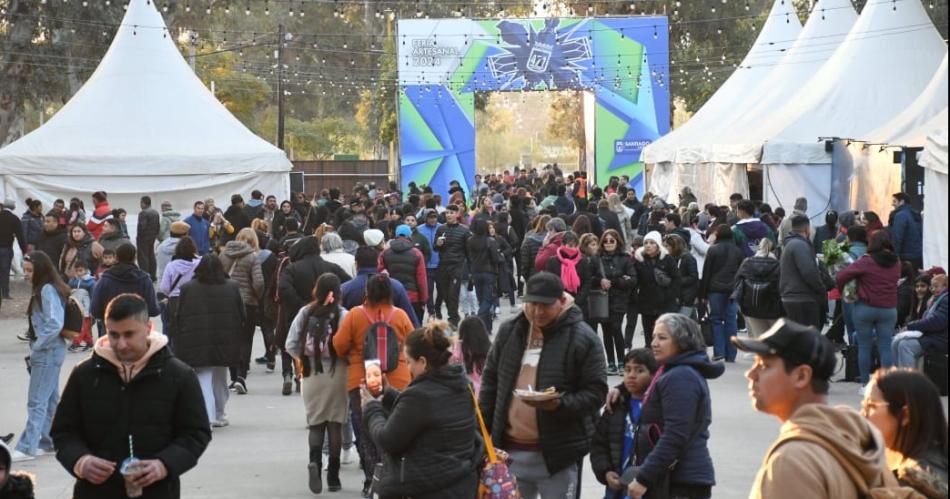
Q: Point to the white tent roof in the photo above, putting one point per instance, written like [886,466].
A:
[143,112]
[888,58]
[927,114]
[740,140]
[778,34]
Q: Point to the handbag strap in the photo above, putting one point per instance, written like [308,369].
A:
[695,434]
[492,457]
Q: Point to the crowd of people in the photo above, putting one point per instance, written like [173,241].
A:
[381,307]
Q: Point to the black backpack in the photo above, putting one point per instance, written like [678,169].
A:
[381,343]
[759,299]
[72,319]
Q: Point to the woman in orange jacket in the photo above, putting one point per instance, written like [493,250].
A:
[348,342]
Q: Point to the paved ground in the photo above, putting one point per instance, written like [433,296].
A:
[263,453]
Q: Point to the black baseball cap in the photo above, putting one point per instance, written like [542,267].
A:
[543,287]
[795,343]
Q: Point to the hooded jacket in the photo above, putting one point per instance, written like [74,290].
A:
[183,268]
[123,278]
[572,361]
[546,252]
[241,262]
[795,468]
[748,232]
[907,232]
[407,265]
[165,225]
[165,253]
[209,319]
[877,276]
[157,400]
[679,406]
[759,269]
[428,435]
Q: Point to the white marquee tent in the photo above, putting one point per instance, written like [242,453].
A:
[740,139]
[142,124]
[874,174]
[934,161]
[888,59]
[713,181]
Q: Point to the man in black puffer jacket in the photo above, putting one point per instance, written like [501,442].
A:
[130,393]
[450,242]
[547,346]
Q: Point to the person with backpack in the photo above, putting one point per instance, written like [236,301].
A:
[323,387]
[294,290]
[427,431]
[822,452]
[756,290]
[376,322]
[46,317]
[240,258]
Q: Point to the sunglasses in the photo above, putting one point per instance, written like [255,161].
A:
[609,241]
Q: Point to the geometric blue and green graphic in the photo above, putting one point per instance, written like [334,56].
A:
[623,61]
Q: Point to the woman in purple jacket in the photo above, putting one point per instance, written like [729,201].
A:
[875,313]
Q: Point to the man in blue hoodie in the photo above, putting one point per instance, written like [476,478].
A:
[906,230]
[123,277]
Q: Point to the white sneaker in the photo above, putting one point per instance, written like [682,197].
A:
[18,457]
[347,456]
[220,423]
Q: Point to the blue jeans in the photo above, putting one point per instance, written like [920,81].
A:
[42,399]
[873,324]
[485,283]
[722,314]
[847,312]
[6,261]
[906,352]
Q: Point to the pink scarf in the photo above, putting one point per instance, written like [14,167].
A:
[569,258]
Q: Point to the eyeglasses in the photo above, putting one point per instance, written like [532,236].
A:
[868,404]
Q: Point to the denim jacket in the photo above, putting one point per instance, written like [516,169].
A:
[47,321]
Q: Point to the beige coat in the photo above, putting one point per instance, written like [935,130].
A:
[240,261]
